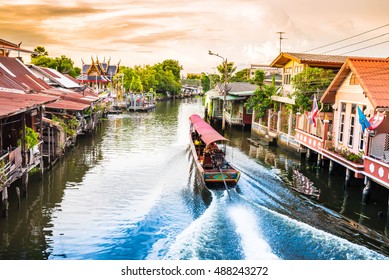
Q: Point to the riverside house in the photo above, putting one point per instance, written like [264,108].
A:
[20,149]
[359,94]
[70,106]
[235,111]
[278,126]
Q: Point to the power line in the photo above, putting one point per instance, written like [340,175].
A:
[347,38]
[366,47]
[356,43]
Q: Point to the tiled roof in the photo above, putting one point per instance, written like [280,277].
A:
[310,59]
[14,103]
[373,76]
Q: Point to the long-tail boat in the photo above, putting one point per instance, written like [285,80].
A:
[210,160]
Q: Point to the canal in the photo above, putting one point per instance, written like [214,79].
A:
[131,192]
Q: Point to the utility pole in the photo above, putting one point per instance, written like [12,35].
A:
[225,74]
[281,38]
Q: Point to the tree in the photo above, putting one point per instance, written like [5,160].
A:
[307,83]
[136,84]
[261,100]
[62,64]
[259,77]
[173,66]
[205,82]
[241,76]
[229,71]
[39,51]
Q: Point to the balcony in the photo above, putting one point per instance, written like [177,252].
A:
[10,167]
[376,163]
[235,119]
[312,137]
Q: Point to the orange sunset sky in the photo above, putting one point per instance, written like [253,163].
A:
[147,32]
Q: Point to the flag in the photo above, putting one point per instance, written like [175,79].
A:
[314,111]
[363,120]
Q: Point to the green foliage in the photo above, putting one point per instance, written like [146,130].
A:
[136,84]
[69,124]
[173,66]
[192,76]
[307,83]
[205,82]
[31,138]
[259,77]
[39,51]
[62,64]
[350,156]
[163,78]
[241,76]
[261,100]
[226,72]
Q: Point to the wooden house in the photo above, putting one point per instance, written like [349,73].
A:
[235,111]
[279,125]
[21,125]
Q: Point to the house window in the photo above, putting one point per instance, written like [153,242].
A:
[351,135]
[352,125]
[287,75]
[341,124]
[354,80]
[298,69]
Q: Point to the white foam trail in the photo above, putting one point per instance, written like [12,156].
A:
[254,246]
[189,242]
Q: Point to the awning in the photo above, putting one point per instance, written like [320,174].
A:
[207,133]
[232,97]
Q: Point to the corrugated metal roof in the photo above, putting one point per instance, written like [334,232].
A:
[14,103]
[13,69]
[373,76]
[72,96]
[68,105]
[57,77]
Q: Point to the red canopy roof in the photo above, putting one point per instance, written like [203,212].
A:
[207,133]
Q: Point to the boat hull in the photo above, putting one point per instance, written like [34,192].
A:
[215,178]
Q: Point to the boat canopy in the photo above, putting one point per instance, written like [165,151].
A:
[207,133]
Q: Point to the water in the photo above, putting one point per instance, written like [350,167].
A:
[131,192]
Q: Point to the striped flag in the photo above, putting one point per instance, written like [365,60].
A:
[314,111]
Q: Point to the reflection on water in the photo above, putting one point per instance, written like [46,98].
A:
[132,192]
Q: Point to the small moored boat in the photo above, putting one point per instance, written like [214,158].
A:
[210,160]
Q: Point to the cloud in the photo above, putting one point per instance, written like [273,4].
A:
[139,32]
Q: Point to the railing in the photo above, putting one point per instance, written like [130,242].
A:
[379,147]
[12,163]
[233,120]
[304,124]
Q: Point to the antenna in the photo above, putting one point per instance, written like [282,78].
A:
[281,38]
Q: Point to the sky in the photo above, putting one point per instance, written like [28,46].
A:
[244,32]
